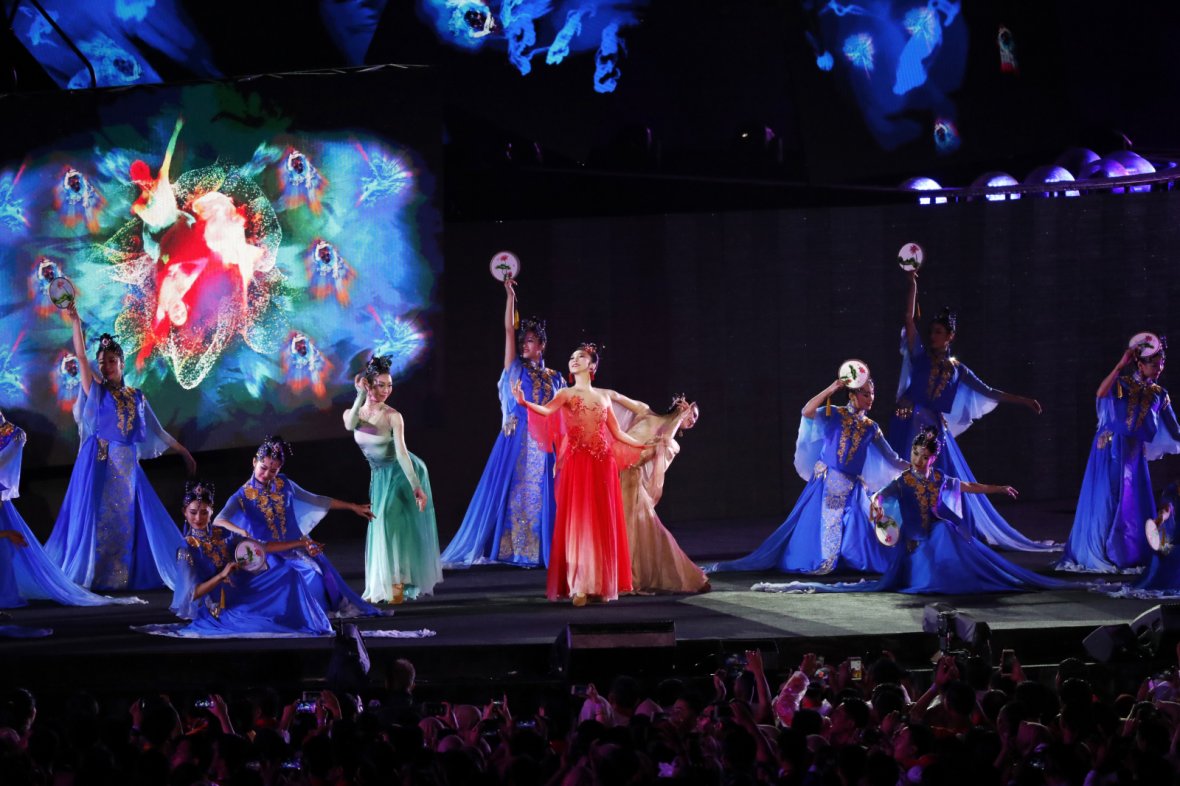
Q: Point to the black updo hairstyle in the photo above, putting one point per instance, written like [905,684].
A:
[198,490]
[591,349]
[534,325]
[107,343]
[377,365]
[276,448]
[928,438]
[947,318]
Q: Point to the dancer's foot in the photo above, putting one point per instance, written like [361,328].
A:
[579,599]
[399,594]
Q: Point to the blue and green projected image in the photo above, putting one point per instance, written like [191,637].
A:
[248,248]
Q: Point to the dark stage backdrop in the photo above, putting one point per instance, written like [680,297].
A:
[750,314]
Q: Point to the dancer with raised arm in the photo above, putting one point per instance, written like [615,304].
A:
[1136,425]
[590,559]
[26,571]
[112,532]
[844,458]
[936,390]
[510,518]
[658,564]
[221,599]
[933,553]
[272,507]
[401,549]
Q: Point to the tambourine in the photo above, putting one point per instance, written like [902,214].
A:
[1145,344]
[250,555]
[1157,531]
[62,292]
[910,257]
[504,265]
[855,371]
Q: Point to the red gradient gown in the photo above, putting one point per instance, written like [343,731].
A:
[589,553]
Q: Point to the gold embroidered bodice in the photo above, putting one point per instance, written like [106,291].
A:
[272,504]
[585,426]
[927,491]
[213,544]
[853,428]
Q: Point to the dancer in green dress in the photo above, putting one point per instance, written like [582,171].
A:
[401,550]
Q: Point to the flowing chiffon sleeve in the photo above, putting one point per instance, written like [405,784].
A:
[973,400]
[882,465]
[156,439]
[85,411]
[10,461]
[310,508]
[809,444]
[508,378]
[183,603]
[626,456]
[548,431]
[951,497]
[1167,433]
[907,365]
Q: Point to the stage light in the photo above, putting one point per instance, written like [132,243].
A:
[924,184]
[950,623]
[996,180]
[1051,174]
[1135,164]
[1075,158]
[1104,169]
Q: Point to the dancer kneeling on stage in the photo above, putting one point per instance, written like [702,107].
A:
[844,458]
[221,598]
[933,554]
[271,507]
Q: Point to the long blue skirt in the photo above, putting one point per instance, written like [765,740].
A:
[827,530]
[113,532]
[510,518]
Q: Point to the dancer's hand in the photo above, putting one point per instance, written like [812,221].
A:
[421,498]
[312,547]
[1011,492]
[365,511]
[362,390]
[71,313]
[517,392]
[14,537]
[1032,404]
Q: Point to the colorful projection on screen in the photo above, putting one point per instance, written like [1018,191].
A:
[523,26]
[244,292]
[901,61]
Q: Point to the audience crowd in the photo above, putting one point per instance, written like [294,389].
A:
[866,722]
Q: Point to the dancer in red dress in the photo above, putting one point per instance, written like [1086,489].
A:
[589,557]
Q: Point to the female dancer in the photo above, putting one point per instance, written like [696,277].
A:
[271,507]
[590,557]
[844,457]
[1136,424]
[401,550]
[221,600]
[935,554]
[510,518]
[112,531]
[657,562]
[937,390]
[26,572]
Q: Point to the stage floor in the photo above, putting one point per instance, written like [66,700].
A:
[493,622]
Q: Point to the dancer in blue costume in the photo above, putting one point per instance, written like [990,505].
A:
[221,600]
[1162,577]
[510,518]
[112,532]
[844,457]
[271,507]
[1136,425]
[26,572]
[401,548]
[935,554]
[937,390]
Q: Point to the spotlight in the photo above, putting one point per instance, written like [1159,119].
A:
[1075,158]
[1050,174]
[924,184]
[996,180]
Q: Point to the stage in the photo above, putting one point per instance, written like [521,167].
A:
[495,628]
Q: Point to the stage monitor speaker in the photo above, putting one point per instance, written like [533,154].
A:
[1111,644]
[608,649]
[1159,629]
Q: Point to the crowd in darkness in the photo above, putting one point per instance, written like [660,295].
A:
[964,723]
